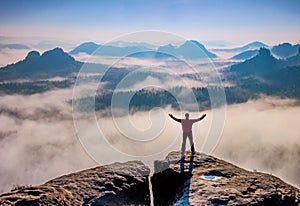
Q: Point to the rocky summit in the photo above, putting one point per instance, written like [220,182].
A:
[115,184]
[206,180]
[195,180]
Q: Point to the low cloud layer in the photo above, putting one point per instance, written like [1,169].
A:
[264,135]
[37,139]
[11,56]
[39,142]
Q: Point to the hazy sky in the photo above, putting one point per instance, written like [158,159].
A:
[238,21]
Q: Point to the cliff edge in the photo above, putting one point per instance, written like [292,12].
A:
[198,180]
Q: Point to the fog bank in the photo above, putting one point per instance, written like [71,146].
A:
[264,135]
[38,139]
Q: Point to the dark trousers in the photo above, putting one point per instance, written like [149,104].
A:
[190,136]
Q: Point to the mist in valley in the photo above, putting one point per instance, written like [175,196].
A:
[41,138]
[39,141]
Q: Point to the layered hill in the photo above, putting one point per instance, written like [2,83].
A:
[251,46]
[245,55]
[38,73]
[280,51]
[188,50]
[51,63]
[13,46]
[285,50]
[261,64]
[107,50]
[200,180]
[265,74]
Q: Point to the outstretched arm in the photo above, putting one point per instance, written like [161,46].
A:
[200,118]
[176,119]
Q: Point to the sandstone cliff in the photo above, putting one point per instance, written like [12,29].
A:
[199,180]
[205,180]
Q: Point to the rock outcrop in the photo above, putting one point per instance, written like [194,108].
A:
[40,195]
[198,180]
[115,184]
[211,181]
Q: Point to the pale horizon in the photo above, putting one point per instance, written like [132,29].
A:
[238,22]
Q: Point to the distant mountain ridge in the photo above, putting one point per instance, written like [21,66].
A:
[136,44]
[261,74]
[281,51]
[87,47]
[14,46]
[262,63]
[188,50]
[285,50]
[245,55]
[54,62]
[264,74]
[251,46]
[106,50]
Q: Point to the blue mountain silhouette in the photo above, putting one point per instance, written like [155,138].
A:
[285,50]
[54,62]
[189,50]
[261,64]
[251,46]
[107,50]
[264,74]
[245,55]
[87,47]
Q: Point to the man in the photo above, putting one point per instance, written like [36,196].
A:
[187,131]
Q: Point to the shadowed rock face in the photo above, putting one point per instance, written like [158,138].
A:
[216,182]
[199,180]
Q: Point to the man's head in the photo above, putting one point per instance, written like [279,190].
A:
[187,115]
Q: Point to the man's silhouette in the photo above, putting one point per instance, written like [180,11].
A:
[187,131]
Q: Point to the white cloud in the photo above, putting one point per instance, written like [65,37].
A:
[39,142]
[11,56]
[264,135]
